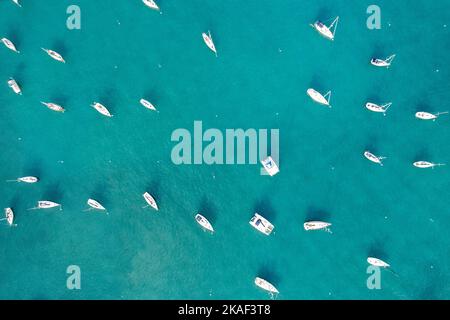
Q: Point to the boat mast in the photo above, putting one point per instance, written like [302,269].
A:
[333,23]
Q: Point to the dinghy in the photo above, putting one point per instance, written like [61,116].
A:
[426,164]
[53,106]
[318,97]
[265,285]
[386,63]
[370,156]
[261,224]
[316,225]
[147,104]
[9,216]
[14,86]
[201,220]
[377,262]
[150,200]
[54,55]
[209,42]
[102,109]
[326,31]
[377,108]
[151,4]
[429,116]
[270,166]
[9,45]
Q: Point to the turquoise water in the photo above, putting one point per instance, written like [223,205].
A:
[268,57]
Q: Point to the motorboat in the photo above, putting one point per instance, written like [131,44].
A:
[270,166]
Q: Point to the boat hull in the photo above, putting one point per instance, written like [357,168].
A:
[202,221]
[270,166]
[316,225]
[265,285]
[317,97]
[261,224]
[377,262]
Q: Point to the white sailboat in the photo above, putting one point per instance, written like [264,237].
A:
[9,216]
[151,4]
[17,2]
[29,179]
[54,55]
[44,204]
[147,104]
[201,220]
[319,98]
[265,285]
[14,86]
[209,41]
[386,63]
[94,204]
[326,31]
[426,164]
[429,116]
[270,166]
[316,225]
[10,45]
[370,156]
[377,262]
[150,200]
[53,106]
[261,224]
[377,108]
[102,109]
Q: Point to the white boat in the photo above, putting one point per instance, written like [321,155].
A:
[374,158]
[270,166]
[265,285]
[377,108]
[14,86]
[147,104]
[17,2]
[95,204]
[9,216]
[377,262]
[44,204]
[151,4]
[55,55]
[150,200]
[28,179]
[204,222]
[426,164]
[261,224]
[9,45]
[386,63]
[209,41]
[102,109]
[429,116]
[319,98]
[316,225]
[53,106]
[326,31]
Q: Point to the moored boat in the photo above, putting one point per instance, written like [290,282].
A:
[370,156]
[151,4]
[383,63]
[28,179]
[94,204]
[14,86]
[261,224]
[9,45]
[147,104]
[427,164]
[54,55]
[201,220]
[150,200]
[207,38]
[9,216]
[265,285]
[102,109]
[45,204]
[318,97]
[378,108]
[377,262]
[429,116]
[270,166]
[316,225]
[326,31]
[53,106]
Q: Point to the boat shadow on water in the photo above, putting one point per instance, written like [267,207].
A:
[99,194]
[34,168]
[421,155]
[208,210]
[15,36]
[376,249]
[265,208]
[53,193]
[60,47]
[316,214]
[266,271]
